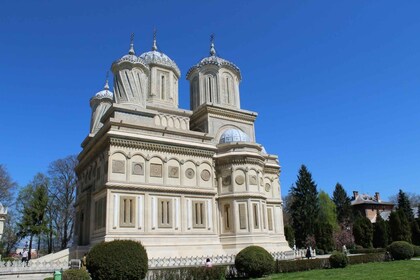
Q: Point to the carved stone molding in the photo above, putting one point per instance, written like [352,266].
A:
[138,168]
[118,166]
[205,175]
[155,170]
[189,173]
[173,172]
[240,179]
[253,180]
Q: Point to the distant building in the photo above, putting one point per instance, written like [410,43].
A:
[370,206]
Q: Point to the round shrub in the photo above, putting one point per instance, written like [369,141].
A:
[254,261]
[118,259]
[76,274]
[401,250]
[416,251]
[338,260]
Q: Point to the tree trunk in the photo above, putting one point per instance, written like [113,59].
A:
[30,247]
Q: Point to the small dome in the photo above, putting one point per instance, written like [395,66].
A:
[131,56]
[103,94]
[159,58]
[233,135]
[213,59]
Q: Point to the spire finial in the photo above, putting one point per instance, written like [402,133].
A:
[212,49]
[131,51]
[154,47]
[106,87]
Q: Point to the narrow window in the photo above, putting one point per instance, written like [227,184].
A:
[255,210]
[165,212]
[227,91]
[127,211]
[227,222]
[210,89]
[162,87]
[242,216]
[199,214]
[270,218]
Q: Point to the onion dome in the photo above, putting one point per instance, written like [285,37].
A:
[155,57]
[131,56]
[103,95]
[233,135]
[213,59]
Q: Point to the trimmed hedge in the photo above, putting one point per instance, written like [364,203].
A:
[301,265]
[367,250]
[190,273]
[76,274]
[401,250]
[118,259]
[254,261]
[338,260]
[368,258]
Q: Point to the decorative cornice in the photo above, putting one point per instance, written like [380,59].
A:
[210,109]
[242,195]
[226,162]
[160,147]
[162,189]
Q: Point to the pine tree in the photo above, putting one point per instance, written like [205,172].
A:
[404,205]
[33,222]
[304,207]
[380,233]
[343,204]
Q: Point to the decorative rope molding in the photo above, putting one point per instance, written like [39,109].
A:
[161,147]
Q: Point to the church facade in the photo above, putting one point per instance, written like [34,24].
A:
[182,182]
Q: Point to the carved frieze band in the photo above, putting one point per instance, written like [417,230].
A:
[160,147]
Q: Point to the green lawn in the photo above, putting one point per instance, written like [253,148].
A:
[385,270]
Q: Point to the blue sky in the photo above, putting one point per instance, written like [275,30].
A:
[336,83]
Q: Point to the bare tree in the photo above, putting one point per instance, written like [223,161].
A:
[62,196]
[6,186]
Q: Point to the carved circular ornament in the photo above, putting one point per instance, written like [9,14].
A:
[267,187]
[226,181]
[240,179]
[190,173]
[205,175]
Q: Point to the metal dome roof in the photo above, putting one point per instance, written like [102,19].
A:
[233,135]
[213,59]
[159,58]
[103,94]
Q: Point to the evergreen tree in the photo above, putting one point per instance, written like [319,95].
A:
[363,232]
[33,222]
[290,235]
[399,226]
[324,236]
[380,233]
[343,204]
[404,205]
[304,207]
[415,233]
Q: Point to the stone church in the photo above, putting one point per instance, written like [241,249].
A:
[182,182]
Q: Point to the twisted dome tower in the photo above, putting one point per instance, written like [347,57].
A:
[100,104]
[131,79]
